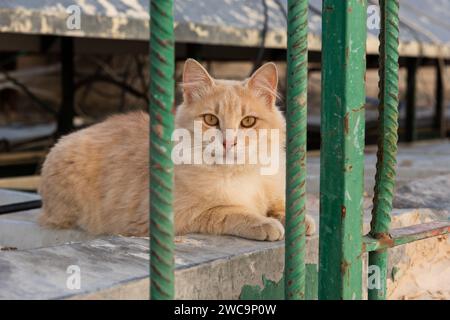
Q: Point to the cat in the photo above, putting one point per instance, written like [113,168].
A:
[97,178]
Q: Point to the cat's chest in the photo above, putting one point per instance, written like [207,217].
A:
[211,188]
[235,189]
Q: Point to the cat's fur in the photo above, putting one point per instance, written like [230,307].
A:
[97,178]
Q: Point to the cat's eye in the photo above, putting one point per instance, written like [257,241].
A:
[210,120]
[248,122]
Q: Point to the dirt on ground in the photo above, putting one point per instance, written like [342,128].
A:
[426,274]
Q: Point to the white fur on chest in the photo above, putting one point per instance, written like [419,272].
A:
[240,189]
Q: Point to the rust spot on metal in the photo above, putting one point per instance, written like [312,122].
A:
[344,266]
[158,129]
[160,73]
[384,239]
[361,108]
[346,123]
[343,211]
[363,249]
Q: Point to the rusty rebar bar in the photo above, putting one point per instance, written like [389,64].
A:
[387,141]
[296,115]
[162,60]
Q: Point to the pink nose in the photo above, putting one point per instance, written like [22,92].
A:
[227,144]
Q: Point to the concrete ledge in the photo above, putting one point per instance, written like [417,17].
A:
[20,230]
[42,273]
[207,267]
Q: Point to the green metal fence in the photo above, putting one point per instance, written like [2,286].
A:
[387,144]
[297,75]
[342,149]
[162,68]
[342,245]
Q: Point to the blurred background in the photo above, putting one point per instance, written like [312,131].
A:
[68,64]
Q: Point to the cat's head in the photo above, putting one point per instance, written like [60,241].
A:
[231,107]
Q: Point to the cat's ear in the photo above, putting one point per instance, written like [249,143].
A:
[264,82]
[196,80]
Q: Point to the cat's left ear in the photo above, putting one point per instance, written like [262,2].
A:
[264,82]
[196,80]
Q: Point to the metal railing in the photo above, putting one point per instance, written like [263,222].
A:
[342,244]
[162,86]
[297,89]
[342,148]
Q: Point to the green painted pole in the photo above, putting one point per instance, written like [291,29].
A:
[161,166]
[387,141]
[342,149]
[297,79]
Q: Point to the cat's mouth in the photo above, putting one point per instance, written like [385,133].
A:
[233,155]
[222,155]
[207,153]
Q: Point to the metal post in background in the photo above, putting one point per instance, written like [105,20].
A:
[162,65]
[342,149]
[297,87]
[440,118]
[411,126]
[67,109]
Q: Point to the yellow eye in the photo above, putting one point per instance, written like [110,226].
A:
[248,122]
[210,120]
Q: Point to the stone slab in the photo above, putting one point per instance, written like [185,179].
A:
[20,230]
[433,192]
[207,267]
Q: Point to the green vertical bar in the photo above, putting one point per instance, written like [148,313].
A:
[297,73]
[342,149]
[161,166]
[387,140]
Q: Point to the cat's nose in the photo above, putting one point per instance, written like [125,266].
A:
[227,144]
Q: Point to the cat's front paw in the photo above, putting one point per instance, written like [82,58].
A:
[309,222]
[279,215]
[269,229]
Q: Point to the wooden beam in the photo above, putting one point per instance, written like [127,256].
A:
[17,158]
[30,183]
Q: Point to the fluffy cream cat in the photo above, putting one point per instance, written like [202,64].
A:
[97,178]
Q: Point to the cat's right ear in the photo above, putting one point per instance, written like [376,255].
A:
[196,80]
